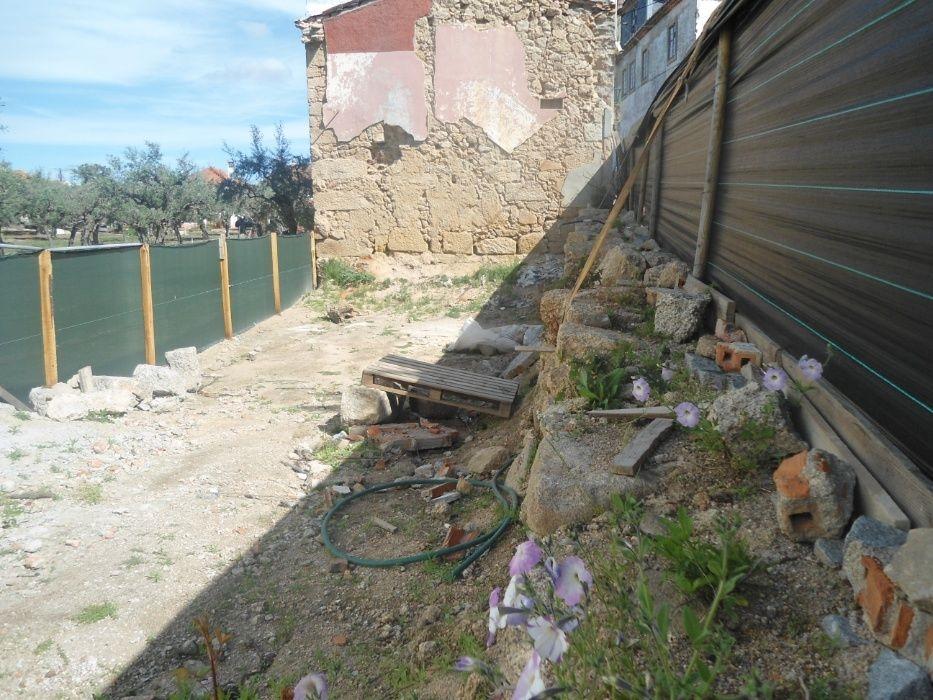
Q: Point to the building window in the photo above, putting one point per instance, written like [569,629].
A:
[631,77]
[671,43]
[644,66]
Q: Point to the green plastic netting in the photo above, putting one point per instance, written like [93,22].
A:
[186,296]
[294,268]
[20,325]
[98,311]
[251,298]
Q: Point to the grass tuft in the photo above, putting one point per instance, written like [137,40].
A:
[96,613]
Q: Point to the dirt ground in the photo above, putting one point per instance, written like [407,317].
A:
[118,535]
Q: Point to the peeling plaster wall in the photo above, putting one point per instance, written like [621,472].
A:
[493,172]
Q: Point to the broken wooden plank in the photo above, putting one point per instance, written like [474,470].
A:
[12,400]
[521,364]
[412,436]
[633,413]
[535,348]
[387,526]
[629,461]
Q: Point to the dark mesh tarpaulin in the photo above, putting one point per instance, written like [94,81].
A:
[21,366]
[822,226]
[98,311]
[251,297]
[294,268]
[186,296]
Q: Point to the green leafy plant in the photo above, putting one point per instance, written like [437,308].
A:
[96,613]
[341,274]
[601,390]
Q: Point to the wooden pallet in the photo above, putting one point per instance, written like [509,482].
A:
[444,385]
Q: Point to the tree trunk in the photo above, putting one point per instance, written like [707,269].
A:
[205,234]
[95,235]
[74,233]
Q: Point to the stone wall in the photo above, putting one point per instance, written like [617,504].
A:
[518,97]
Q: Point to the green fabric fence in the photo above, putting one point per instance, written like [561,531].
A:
[21,366]
[186,296]
[251,297]
[294,268]
[98,310]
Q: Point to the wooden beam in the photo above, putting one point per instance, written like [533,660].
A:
[12,400]
[535,348]
[633,413]
[723,306]
[145,284]
[657,153]
[276,289]
[636,169]
[629,461]
[46,309]
[225,288]
[713,152]
[770,351]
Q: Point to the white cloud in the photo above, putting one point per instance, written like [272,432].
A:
[314,7]
[257,30]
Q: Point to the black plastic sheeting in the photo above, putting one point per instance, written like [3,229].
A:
[294,268]
[21,363]
[825,197]
[251,296]
[186,296]
[98,311]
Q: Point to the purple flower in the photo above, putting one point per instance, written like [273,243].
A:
[667,374]
[550,640]
[775,379]
[315,681]
[527,556]
[467,664]
[495,619]
[530,683]
[572,581]
[811,369]
[641,389]
[688,415]
[515,600]
[552,569]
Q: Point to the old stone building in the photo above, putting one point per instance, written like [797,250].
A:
[457,126]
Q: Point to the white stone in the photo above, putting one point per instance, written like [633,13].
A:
[185,361]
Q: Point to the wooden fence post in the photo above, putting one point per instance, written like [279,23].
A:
[49,349]
[313,244]
[713,153]
[225,288]
[276,290]
[657,153]
[145,283]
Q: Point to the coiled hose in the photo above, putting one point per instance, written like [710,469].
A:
[482,544]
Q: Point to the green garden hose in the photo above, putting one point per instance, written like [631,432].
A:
[505,495]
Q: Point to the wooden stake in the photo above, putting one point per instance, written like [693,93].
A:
[657,152]
[636,169]
[145,283]
[313,245]
[713,153]
[276,289]
[225,288]
[46,309]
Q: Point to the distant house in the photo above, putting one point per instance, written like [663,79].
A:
[654,36]
[457,126]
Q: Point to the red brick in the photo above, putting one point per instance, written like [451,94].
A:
[731,357]
[905,618]
[789,479]
[877,595]
[441,489]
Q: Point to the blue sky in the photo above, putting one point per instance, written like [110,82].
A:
[83,79]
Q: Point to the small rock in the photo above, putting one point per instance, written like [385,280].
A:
[620,263]
[840,631]
[338,567]
[892,677]
[487,460]
[32,562]
[706,346]
[185,362]
[668,275]
[679,314]
[871,538]
[429,615]
[426,650]
[829,552]
[31,546]
[361,405]
[815,492]
[161,381]
[911,568]
[340,640]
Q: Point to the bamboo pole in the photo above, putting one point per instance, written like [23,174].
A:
[145,284]
[713,153]
[49,349]
[636,169]
[276,289]
[225,288]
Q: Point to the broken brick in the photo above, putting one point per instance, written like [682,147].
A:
[877,595]
[732,357]
[902,623]
[815,494]
[340,566]
[457,535]
[441,489]
[788,478]
[728,333]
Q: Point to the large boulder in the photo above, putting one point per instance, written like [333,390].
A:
[73,405]
[105,383]
[363,405]
[577,247]
[621,263]
[892,677]
[566,484]
[755,424]
[869,538]
[161,381]
[575,341]
[67,407]
[814,495]
[185,362]
[40,396]
[911,568]
[517,476]
[678,315]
